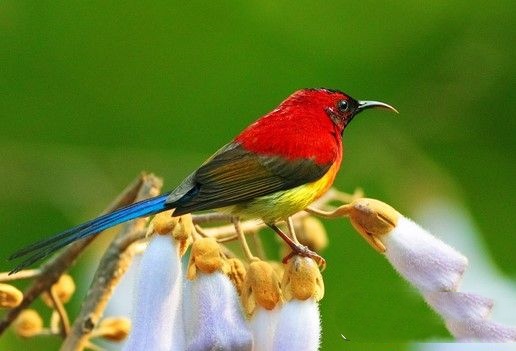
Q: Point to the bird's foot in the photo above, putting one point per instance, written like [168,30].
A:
[298,249]
[304,251]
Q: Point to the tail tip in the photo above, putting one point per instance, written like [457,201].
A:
[15,270]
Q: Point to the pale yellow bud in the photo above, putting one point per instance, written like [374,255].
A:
[311,233]
[261,287]
[236,273]
[28,323]
[63,288]
[302,279]
[206,257]
[184,228]
[181,228]
[164,223]
[113,328]
[10,296]
[373,218]
[182,232]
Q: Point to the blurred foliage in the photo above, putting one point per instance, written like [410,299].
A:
[93,92]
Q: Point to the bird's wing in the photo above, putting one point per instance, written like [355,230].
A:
[234,175]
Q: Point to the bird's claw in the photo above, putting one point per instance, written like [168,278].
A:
[304,251]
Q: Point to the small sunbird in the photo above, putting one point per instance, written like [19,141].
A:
[274,168]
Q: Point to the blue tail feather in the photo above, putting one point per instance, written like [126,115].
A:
[44,248]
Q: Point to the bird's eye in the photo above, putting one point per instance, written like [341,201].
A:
[342,105]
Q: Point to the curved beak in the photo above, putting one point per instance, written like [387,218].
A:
[364,105]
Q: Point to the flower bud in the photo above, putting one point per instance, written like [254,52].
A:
[113,328]
[302,280]
[372,219]
[163,222]
[206,257]
[184,228]
[63,288]
[236,273]
[311,233]
[262,301]
[180,227]
[261,287]
[28,323]
[10,296]
[182,232]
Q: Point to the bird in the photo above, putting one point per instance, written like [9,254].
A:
[275,167]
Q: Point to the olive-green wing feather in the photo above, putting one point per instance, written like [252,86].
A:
[234,175]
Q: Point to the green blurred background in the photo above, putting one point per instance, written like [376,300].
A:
[94,92]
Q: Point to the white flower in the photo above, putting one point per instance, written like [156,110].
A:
[261,297]
[458,305]
[299,323]
[421,258]
[471,330]
[213,318]
[299,326]
[212,315]
[424,260]
[263,325]
[157,318]
[434,267]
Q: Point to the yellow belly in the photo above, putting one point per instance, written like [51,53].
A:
[282,204]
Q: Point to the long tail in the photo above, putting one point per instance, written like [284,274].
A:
[46,247]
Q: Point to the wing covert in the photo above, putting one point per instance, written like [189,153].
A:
[233,175]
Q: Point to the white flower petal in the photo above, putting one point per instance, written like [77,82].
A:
[263,326]
[459,305]
[481,330]
[212,315]
[299,326]
[455,226]
[157,318]
[424,260]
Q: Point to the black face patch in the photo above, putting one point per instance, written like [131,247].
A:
[336,119]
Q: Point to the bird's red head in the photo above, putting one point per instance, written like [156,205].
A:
[307,124]
[336,105]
